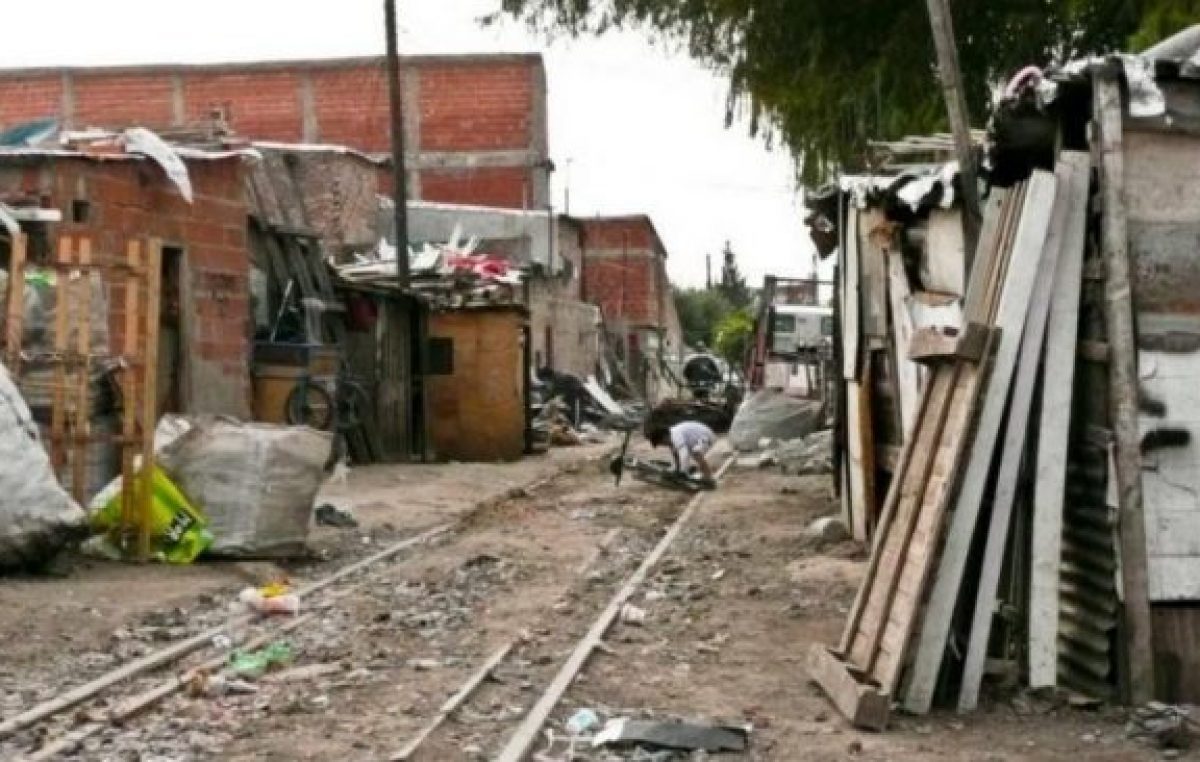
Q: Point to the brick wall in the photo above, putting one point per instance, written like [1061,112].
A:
[624,270]
[475,126]
[133,200]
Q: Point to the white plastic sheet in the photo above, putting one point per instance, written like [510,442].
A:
[37,516]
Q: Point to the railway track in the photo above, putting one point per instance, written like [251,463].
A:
[503,680]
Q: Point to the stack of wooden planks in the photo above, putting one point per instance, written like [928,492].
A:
[951,501]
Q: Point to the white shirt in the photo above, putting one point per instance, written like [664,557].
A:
[690,438]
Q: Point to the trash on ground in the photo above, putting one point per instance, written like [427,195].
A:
[633,615]
[1163,725]
[37,516]
[672,735]
[330,515]
[255,664]
[202,684]
[267,600]
[582,721]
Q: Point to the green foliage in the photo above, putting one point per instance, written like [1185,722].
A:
[733,336]
[733,283]
[828,76]
[1162,18]
[700,310]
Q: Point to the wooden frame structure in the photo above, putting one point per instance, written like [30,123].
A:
[73,359]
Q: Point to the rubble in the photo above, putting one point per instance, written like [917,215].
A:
[774,416]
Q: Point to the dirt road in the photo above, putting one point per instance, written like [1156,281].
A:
[729,615]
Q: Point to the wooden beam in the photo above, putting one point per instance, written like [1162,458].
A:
[81,424]
[1123,385]
[865,706]
[131,443]
[908,373]
[1014,443]
[15,319]
[859,454]
[1033,219]
[1054,423]
[149,394]
[851,301]
[942,23]
[58,395]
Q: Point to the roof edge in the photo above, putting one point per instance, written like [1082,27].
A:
[464,59]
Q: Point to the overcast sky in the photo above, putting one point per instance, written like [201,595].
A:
[632,128]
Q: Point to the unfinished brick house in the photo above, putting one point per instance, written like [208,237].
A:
[475,125]
[625,273]
[111,199]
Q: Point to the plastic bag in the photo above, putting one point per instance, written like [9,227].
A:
[179,532]
[37,516]
[254,664]
[255,482]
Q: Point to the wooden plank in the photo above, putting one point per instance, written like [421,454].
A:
[851,302]
[1015,442]
[860,460]
[886,519]
[81,425]
[907,373]
[1031,224]
[863,705]
[58,395]
[872,269]
[866,641]
[15,317]
[149,401]
[452,704]
[1050,477]
[914,574]
[1123,385]
[129,385]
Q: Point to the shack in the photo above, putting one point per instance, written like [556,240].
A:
[1041,515]
[477,383]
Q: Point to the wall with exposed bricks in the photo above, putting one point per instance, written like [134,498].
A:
[475,126]
[623,270]
[133,200]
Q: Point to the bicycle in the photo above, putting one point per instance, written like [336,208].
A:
[341,410]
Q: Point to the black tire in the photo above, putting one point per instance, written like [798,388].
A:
[310,405]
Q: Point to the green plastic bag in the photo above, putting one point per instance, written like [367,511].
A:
[178,530]
[254,664]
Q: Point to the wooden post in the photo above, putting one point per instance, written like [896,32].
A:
[15,319]
[129,388]
[58,398]
[960,120]
[149,399]
[1107,143]
[80,424]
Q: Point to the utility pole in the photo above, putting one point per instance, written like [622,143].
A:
[942,24]
[708,270]
[399,172]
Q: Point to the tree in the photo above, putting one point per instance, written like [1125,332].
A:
[828,76]
[733,335]
[733,283]
[700,310]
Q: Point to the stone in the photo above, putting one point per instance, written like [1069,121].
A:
[828,529]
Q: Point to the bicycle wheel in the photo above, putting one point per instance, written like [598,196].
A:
[309,404]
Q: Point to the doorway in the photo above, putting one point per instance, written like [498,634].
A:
[171,395]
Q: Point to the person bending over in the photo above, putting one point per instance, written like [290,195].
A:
[689,441]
